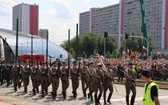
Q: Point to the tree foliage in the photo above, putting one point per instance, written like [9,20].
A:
[90,44]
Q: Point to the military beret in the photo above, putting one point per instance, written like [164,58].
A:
[84,61]
[90,63]
[146,73]
[130,64]
[63,62]
[74,61]
[108,64]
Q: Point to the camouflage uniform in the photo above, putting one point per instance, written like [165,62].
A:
[74,72]
[1,73]
[43,78]
[8,72]
[98,83]
[16,75]
[109,78]
[25,76]
[130,84]
[33,75]
[64,76]
[83,73]
[90,80]
[54,79]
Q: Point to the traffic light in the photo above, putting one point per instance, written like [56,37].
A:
[105,34]
[126,36]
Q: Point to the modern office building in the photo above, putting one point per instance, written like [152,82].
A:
[8,46]
[125,17]
[28,18]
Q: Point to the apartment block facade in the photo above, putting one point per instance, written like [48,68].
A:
[125,17]
[28,17]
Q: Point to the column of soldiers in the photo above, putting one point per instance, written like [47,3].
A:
[94,79]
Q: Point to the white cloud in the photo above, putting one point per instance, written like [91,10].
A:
[73,13]
[86,2]
[6,6]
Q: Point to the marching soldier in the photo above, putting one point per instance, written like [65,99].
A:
[98,83]
[16,75]
[130,84]
[1,73]
[54,79]
[83,72]
[64,75]
[33,75]
[43,78]
[74,72]
[109,78]
[25,75]
[90,80]
[8,72]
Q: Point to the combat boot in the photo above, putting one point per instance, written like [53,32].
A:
[127,100]
[15,89]
[25,90]
[37,89]
[109,97]
[42,93]
[34,92]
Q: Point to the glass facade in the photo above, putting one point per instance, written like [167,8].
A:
[24,45]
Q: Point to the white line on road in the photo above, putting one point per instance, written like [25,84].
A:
[137,98]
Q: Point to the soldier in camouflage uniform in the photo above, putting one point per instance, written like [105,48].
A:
[8,72]
[16,75]
[33,75]
[130,84]
[25,75]
[98,83]
[43,78]
[54,79]
[1,72]
[64,76]
[74,72]
[108,78]
[83,73]
[90,80]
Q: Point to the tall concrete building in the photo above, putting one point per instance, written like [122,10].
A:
[28,17]
[125,17]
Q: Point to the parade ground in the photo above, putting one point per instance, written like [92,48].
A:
[8,96]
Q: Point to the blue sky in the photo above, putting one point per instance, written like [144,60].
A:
[56,15]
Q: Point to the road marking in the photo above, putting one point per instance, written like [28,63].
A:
[137,98]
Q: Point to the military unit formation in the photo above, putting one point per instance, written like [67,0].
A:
[96,77]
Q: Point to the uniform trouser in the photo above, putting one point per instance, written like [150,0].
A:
[43,84]
[90,85]
[84,86]
[55,85]
[15,81]
[128,89]
[65,85]
[75,85]
[96,88]
[34,83]
[26,82]
[106,87]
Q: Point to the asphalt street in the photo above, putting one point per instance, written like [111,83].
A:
[8,96]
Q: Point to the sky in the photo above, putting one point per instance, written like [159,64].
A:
[55,15]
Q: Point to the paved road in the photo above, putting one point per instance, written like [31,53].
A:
[8,96]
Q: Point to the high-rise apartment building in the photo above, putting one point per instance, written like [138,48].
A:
[125,17]
[28,18]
